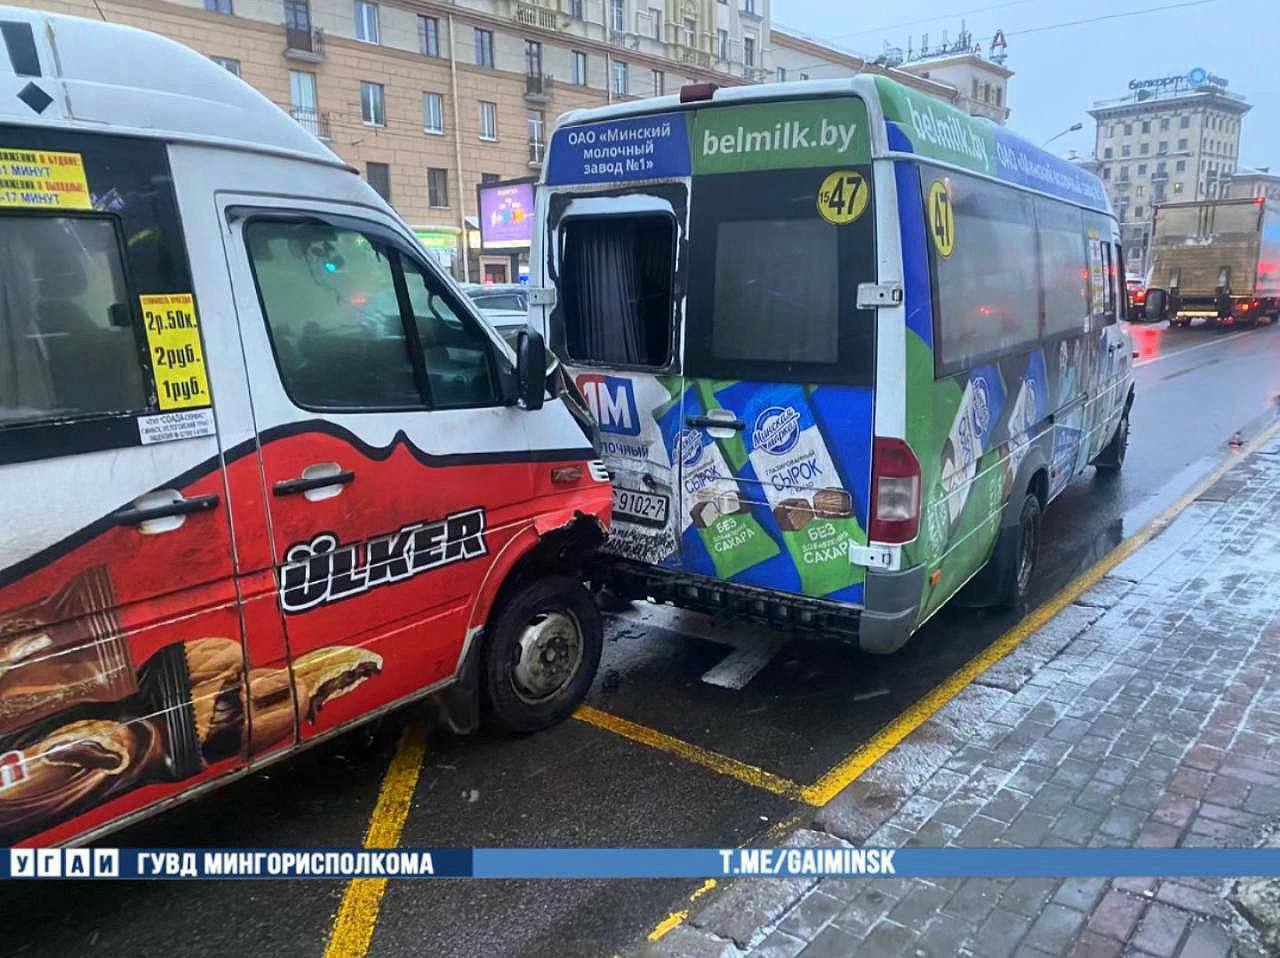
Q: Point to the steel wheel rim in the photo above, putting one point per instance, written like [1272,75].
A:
[1026,556]
[547,656]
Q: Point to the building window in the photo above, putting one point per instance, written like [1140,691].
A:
[1144,148]
[1111,130]
[1162,166]
[782,74]
[484,47]
[487,178]
[1142,169]
[366,21]
[748,52]
[1177,187]
[690,31]
[999,91]
[379,177]
[1139,190]
[537,124]
[428,36]
[218,6]
[488,120]
[1106,172]
[437,188]
[749,6]
[1146,126]
[986,93]
[1106,153]
[575,8]
[617,16]
[1162,146]
[579,68]
[1182,143]
[1128,129]
[231,66]
[1125,150]
[619,77]
[1124,173]
[1213,189]
[302,102]
[1164,123]
[976,88]
[1137,212]
[433,113]
[804,76]
[1180,166]
[1184,121]
[659,82]
[722,44]
[372,110]
[532,58]
[655,24]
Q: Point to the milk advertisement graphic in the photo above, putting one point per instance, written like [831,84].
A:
[969,436]
[719,535]
[801,485]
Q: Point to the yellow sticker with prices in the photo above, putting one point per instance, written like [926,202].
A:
[177,356]
[43,180]
[942,218]
[842,197]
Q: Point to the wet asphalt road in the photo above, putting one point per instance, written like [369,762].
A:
[581,785]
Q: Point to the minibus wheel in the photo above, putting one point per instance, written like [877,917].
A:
[541,653]
[1017,551]
[1111,458]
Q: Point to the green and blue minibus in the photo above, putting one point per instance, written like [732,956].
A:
[844,344]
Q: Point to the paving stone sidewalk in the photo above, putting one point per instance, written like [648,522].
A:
[1146,713]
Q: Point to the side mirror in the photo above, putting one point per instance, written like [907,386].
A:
[531,369]
[1156,305]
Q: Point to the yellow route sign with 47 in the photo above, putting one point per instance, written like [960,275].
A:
[843,196]
[942,218]
[177,356]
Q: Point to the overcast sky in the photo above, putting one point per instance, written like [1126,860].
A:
[1060,72]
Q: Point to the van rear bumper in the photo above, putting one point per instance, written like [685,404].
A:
[892,603]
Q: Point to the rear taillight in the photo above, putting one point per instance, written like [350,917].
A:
[895,492]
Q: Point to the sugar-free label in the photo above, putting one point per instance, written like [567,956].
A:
[177,356]
[43,179]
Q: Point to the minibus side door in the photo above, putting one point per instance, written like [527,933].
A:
[381,431]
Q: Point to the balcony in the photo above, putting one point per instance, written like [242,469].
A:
[313,121]
[538,89]
[303,43]
[537,149]
[535,15]
[690,56]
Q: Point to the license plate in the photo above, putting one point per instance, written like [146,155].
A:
[646,508]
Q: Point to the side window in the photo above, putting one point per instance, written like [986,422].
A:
[1121,283]
[329,298]
[68,343]
[1064,268]
[985,285]
[617,274]
[456,352]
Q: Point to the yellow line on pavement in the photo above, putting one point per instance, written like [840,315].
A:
[677,918]
[856,763]
[358,914]
[722,764]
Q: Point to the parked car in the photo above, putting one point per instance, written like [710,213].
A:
[505,305]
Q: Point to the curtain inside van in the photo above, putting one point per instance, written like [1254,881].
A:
[617,290]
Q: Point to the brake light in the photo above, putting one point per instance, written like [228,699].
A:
[1140,296]
[895,491]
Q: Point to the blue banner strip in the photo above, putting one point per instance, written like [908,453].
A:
[507,863]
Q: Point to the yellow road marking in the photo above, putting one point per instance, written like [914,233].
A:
[723,764]
[358,914]
[850,768]
[677,918]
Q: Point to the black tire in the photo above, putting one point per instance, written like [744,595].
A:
[1016,552]
[1111,459]
[526,643]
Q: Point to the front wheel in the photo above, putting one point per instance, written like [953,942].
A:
[1111,459]
[541,654]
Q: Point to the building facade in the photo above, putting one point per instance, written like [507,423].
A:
[1171,139]
[429,99]
[1259,184]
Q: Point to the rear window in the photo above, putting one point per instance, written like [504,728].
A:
[773,284]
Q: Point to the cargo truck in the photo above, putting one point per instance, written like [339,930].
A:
[1216,259]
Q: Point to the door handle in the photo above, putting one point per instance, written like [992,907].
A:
[710,422]
[135,515]
[291,487]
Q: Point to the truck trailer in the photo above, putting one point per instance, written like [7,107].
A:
[1216,259]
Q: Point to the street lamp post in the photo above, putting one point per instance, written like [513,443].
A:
[1071,129]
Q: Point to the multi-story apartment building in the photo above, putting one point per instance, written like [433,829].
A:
[430,98]
[1256,183]
[1172,138]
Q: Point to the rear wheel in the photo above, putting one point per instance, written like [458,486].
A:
[1019,548]
[1111,459]
[541,655]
